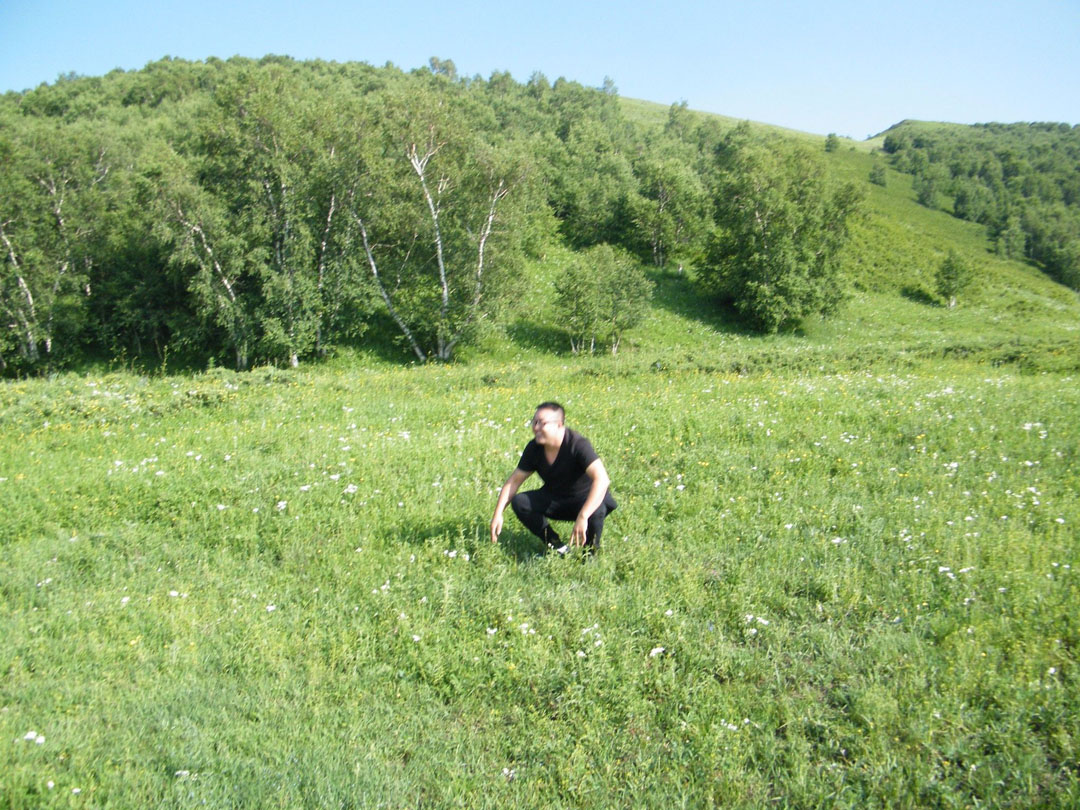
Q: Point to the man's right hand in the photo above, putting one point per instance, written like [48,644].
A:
[496,527]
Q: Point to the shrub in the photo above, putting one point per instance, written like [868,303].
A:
[953,275]
[601,294]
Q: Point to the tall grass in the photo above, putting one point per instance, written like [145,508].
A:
[841,573]
[275,589]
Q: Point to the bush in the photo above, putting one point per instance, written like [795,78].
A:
[601,294]
[952,277]
[780,227]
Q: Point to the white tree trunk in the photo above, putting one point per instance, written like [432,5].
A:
[404,327]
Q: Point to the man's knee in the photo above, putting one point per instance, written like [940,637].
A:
[597,517]
[520,504]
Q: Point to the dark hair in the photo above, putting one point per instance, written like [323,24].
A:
[553,406]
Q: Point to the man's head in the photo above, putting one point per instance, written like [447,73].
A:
[548,423]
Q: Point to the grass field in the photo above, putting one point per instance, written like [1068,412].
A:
[275,589]
[842,571]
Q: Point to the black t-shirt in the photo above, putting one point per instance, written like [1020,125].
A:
[566,477]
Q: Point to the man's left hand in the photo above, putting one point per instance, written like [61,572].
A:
[578,535]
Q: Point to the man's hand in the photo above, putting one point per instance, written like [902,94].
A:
[597,490]
[509,489]
[579,533]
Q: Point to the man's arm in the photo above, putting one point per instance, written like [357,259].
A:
[508,491]
[599,488]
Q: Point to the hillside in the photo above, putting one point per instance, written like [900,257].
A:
[216,214]
[1021,181]
[842,568]
[1015,313]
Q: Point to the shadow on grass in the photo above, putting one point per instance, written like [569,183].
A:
[919,296]
[466,537]
[448,534]
[539,337]
[672,291]
[521,547]
[677,293]
[383,340]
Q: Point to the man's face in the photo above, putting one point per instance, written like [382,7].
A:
[547,427]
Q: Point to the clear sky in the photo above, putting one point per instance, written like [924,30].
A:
[854,68]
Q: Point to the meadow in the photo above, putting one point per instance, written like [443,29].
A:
[822,587]
[841,573]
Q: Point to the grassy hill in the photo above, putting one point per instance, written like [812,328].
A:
[841,573]
[1012,314]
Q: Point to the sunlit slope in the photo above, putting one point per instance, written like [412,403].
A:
[1013,312]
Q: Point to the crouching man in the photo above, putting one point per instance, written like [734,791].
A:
[575,484]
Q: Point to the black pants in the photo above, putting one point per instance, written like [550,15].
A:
[535,507]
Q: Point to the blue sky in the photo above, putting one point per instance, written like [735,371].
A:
[854,68]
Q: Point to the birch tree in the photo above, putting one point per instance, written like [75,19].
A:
[204,236]
[952,277]
[432,212]
[602,293]
[671,208]
[51,193]
[278,156]
[257,156]
[779,228]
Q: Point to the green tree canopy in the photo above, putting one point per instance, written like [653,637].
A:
[779,227]
[953,276]
[602,293]
[1005,176]
[53,213]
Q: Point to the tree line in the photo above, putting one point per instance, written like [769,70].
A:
[1022,181]
[266,211]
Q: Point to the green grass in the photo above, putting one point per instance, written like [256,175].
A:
[275,589]
[651,113]
[842,571]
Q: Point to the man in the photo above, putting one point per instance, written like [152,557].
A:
[575,484]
